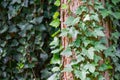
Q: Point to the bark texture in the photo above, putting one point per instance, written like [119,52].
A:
[72,6]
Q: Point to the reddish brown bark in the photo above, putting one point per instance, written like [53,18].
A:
[65,41]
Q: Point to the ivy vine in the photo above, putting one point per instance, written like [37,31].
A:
[90,44]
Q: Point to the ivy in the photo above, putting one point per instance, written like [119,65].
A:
[24,35]
[90,40]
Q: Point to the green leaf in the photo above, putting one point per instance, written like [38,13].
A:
[55,59]
[67,52]
[90,67]
[104,67]
[54,69]
[100,47]
[69,21]
[98,32]
[90,54]
[64,6]
[55,42]
[57,3]
[57,50]
[75,21]
[37,20]
[115,1]
[64,32]
[100,77]
[80,74]
[68,68]
[104,13]
[81,9]
[87,18]
[116,14]
[56,14]
[97,58]
[55,23]
[53,77]
[73,32]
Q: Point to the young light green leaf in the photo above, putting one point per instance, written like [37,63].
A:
[56,14]
[55,23]
[57,3]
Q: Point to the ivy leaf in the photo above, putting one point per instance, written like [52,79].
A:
[98,32]
[81,9]
[57,3]
[116,15]
[69,21]
[100,47]
[55,42]
[104,67]
[90,54]
[64,32]
[55,23]
[87,18]
[86,42]
[37,20]
[75,21]
[67,52]
[73,32]
[57,50]
[55,59]
[100,77]
[56,14]
[115,1]
[77,42]
[91,67]
[97,58]
[53,77]
[68,68]
[55,69]
[80,74]
[104,13]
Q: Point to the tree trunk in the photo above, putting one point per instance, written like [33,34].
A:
[65,41]
[72,6]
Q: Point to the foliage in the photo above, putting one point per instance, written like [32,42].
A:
[90,43]
[24,39]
